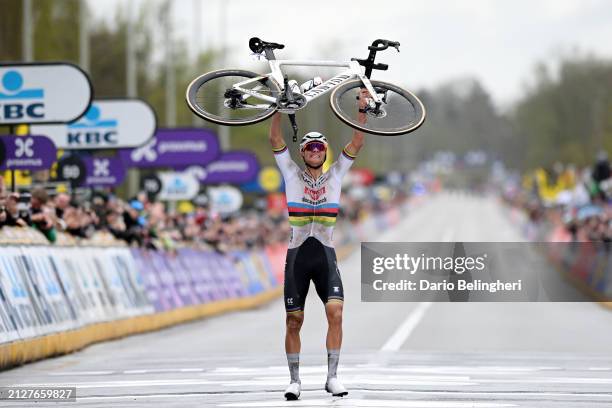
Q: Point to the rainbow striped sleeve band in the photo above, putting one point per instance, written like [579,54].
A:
[280,149]
[347,154]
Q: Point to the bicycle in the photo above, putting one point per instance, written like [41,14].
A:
[235,97]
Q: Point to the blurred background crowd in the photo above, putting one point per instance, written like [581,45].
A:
[138,221]
[575,203]
[150,224]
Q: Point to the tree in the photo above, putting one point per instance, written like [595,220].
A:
[11,30]
[568,118]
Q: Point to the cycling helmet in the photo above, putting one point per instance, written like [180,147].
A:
[312,137]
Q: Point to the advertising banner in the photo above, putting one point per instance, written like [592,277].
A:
[268,180]
[182,280]
[225,200]
[43,93]
[172,299]
[104,171]
[46,281]
[16,302]
[150,280]
[27,152]
[108,124]
[91,301]
[8,329]
[20,295]
[72,170]
[151,184]
[227,276]
[178,186]
[230,167]
[175,148]
[191,259]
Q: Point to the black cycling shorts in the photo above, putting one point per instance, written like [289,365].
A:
[311,261]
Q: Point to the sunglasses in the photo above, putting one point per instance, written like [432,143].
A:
[312,146]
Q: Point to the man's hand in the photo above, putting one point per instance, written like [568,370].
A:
[362,104]
[357,142]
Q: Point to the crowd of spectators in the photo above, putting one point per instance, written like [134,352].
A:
[580,200]
[138,221]
[145,223]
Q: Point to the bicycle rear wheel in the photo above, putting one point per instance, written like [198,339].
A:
[211,97]
[401,112]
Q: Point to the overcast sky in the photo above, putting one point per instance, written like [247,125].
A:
[498,42]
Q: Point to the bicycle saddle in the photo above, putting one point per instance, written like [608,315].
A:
[258,46]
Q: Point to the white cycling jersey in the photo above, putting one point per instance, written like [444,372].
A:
[312,204]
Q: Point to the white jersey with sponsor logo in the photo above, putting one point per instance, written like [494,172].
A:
[312,204]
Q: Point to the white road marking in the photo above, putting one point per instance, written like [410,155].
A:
[377,367]
[372,379]
[351,402]
[400,336]
[82,373]
[492,394]
[111,384]
[139,371]
[199,395]
[495,394]
[551,380]
[378,380]
[366,377]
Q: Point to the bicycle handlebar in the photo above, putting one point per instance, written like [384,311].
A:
[381,45]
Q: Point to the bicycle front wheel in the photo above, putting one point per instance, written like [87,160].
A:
[211,96]
[401,111]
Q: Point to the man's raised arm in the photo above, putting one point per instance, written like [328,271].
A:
[358,137]
[276,134]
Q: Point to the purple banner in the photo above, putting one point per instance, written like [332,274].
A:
[27,152]
[191,276]
[235,167]
[151,280]
[104,171]
[182,280]
[175,148]
[167,288]
[197,275]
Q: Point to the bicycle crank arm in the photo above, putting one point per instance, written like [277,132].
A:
[294,126]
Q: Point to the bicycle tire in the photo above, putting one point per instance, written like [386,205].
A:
[197,83]
[345,114]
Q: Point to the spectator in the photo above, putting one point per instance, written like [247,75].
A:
[41,216]
[151,225]
[15,217]
[584,201]
[3,213]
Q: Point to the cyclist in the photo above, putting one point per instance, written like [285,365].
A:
[312,200]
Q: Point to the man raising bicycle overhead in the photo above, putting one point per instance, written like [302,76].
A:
[312,199]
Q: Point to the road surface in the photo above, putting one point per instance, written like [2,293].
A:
[394,354]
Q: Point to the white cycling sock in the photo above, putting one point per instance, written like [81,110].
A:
[333,356]
[293,359]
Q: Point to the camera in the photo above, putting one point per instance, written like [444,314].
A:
[23,205]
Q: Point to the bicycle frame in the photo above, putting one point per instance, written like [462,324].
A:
[353,71]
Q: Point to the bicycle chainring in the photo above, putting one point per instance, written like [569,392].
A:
[299,101]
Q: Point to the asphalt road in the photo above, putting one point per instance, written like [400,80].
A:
[394,354]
